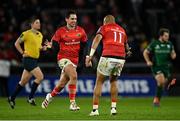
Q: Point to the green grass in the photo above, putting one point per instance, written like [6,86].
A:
[128,108]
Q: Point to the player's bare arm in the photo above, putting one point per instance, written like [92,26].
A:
[146,57]
[173,54]
[46,45]
[18,46]
[95,44]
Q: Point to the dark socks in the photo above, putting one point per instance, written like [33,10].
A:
[33,90]
[159,91]
[16,92]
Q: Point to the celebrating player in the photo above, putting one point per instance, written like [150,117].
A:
[66,41]
[161,66]
[115,48]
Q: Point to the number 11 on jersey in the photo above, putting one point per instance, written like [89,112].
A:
[116,36]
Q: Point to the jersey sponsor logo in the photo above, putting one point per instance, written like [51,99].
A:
[72,43]
[162,51]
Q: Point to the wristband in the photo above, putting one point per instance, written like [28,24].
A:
[92,51]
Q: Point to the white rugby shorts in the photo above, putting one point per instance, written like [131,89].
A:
[110,66]
[64,62]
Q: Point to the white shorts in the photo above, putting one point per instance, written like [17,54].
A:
[110,66]
[64,62]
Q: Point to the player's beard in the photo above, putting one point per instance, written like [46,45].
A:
[72,25]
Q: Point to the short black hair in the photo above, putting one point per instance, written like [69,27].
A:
[162,30]
[68,13]
[33,19]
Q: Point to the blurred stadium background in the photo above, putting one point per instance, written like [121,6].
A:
[141,19]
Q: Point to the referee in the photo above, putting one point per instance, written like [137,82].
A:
[32,40]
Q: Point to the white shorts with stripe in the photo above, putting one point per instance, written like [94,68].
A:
[64,62]
[110,66]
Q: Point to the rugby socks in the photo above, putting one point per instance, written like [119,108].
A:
[16,92]
[113,103]
[72,92]
[33,90]
[55,91]
[159,91]
[95,106]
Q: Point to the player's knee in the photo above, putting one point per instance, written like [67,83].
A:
[22,83]
[40,78]
[73,77]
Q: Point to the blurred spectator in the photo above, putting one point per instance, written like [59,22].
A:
[6,58]
[138,17]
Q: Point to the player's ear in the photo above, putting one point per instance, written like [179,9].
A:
[66,19]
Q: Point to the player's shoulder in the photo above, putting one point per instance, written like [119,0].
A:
[62,28]
[40,33]
[27,31]
[79,28]
[169,42]
[119,27]
[154,42]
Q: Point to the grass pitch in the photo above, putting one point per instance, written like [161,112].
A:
[128,108]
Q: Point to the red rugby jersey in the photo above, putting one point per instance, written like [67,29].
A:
[114,39]
[69,42]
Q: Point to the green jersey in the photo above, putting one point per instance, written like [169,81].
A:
[161,52]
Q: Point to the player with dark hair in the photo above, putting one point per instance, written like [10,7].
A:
[32,40]
[68,42]
[162,51]
[115,48]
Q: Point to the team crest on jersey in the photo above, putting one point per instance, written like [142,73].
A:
[78,35]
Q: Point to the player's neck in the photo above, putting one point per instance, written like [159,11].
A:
[70,27]
[34,30]
[160,39]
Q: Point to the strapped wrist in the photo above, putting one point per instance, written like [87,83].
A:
[92,51]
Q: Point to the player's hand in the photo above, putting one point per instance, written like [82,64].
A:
[149,63]
[128,53]
[88,62]
[48,44]
[25,54]
[44,48]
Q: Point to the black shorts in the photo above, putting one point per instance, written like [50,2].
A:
[29,63]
